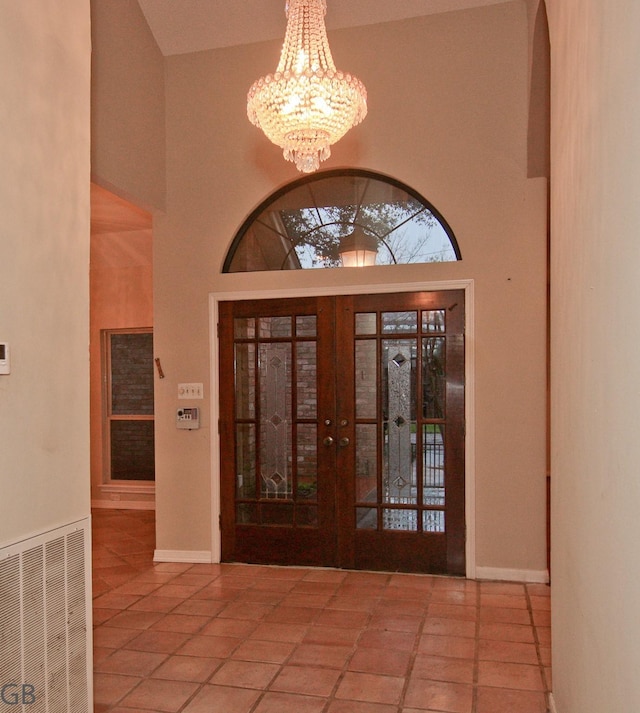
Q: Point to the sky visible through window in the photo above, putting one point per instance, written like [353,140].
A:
[307,224]
[415,238]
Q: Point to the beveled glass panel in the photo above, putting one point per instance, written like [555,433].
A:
[275,459]
[365,323]
[406,520]
[367,518]
[433,377]
[276,513]
[366,463]
[132,374]
[244,327]
[399,322]
[433,521]
[246,460]
[247,514]
[306,380]
[245,379]
[275,420]
[306,325]
[433,320]
[399,429]
[273,327]
[307,462]
[366,382]
[307,515]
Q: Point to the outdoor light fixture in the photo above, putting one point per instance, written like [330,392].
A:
[307,105]
[358,249]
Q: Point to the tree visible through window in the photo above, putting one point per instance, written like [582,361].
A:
[305,224]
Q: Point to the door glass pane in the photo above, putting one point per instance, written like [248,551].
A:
[275,420]
[244,327]
[132,452]
[406,520]
[366,463]
[272,327]
[433,377]
[366,382]
[276,513]
[306,380]
[433,464]
[399,465]
[245,380]
[307,515]
[433,320]
[247,514]
[306,325]
[433,521]
[366,518]
[132,374]
[399,322]
[307,462]
[245,460]
[365,323]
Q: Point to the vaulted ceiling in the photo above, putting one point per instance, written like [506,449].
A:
[196,25]
[183,26]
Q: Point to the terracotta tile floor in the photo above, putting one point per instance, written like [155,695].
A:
[181,638]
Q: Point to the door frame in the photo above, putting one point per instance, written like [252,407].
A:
[469,368]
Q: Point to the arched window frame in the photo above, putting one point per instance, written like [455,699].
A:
[290,259]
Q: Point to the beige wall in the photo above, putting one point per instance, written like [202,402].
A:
[121,289]
[127,104]
[44,277]
[595,366]
[449,116]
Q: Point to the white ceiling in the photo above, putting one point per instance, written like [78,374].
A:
[181,26]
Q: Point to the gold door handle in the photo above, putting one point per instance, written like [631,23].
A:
[328,441]
[344,442]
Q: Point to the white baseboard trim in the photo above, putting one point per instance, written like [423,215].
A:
[531,576]
[192,556]
[552,704]
[123,504]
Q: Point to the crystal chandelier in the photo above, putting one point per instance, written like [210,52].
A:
[306,105]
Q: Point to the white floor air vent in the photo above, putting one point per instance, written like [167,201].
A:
[45,636]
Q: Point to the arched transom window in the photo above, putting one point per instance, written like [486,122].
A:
[341,218]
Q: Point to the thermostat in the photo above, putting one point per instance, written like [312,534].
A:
[5,361]
[188,418]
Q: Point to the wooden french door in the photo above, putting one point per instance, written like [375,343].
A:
[342,431]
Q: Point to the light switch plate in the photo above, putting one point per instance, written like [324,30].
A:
[190,391]
[5,358]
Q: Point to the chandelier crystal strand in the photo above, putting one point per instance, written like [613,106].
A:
[306,105]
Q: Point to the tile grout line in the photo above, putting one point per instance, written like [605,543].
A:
[238,596]
[536,639]
[344,670]
[167,657]
[414,652]
[476,651]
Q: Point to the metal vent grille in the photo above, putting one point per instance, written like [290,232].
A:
[45,639]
